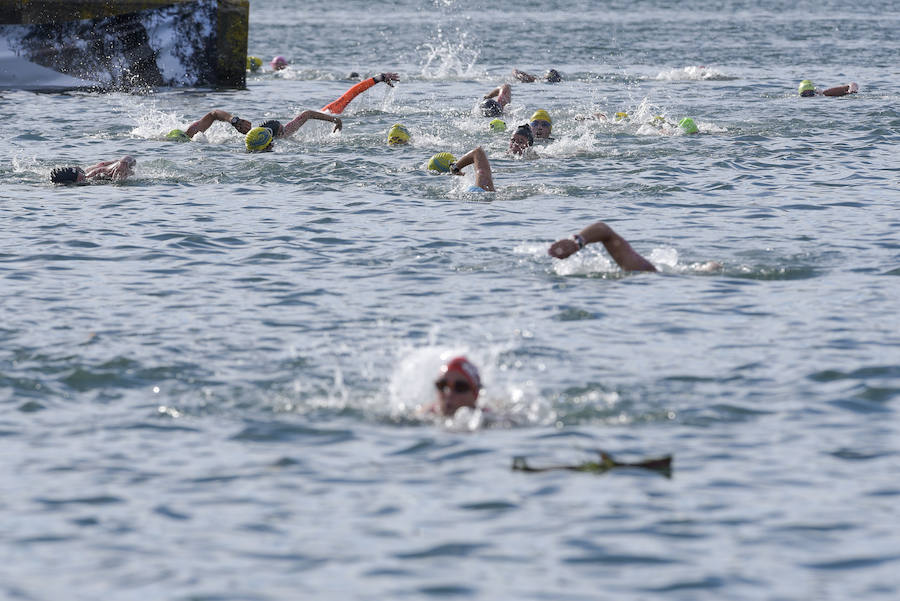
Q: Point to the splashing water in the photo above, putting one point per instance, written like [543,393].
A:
[445,59]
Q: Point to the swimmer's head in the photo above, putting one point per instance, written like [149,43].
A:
[278,63]
[491,108]
[498,125]
[688,126]
[457,385]
[253,63]
[441,162]
[553,76]
[259,139]
[621,116]
[177,135]
[398,135]
[541,124]
[806,88]
[521,139]
[67,175]
[276,127]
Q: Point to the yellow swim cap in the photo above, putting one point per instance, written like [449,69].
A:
[253,63]
[177,135]
[258,139]
[398,135]
[541,115]
[621,116]
[688,126]
[805,86]
[441,162]
[498,125]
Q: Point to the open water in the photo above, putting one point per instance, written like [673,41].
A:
[209,373]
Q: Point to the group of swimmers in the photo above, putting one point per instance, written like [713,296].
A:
[459,382]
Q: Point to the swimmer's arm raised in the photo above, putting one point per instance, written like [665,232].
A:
[202,124]
[617,247]
[483,176]
[297,122]
[503,94]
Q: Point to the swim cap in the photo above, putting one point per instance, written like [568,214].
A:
[278,63]
[275,126]
[806,86]
[66,175]
[553,76]
[621,116]
[466,369]
[498,125]
[688,126]
[253,63]
[491,108]
[441,162]
[525,130]
[398,135]
[177,135]
[258,139]
[542,115]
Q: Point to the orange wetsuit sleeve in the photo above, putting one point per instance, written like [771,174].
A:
[337,107]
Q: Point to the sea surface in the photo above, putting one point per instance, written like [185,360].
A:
[212,374]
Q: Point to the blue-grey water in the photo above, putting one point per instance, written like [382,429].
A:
[210,373]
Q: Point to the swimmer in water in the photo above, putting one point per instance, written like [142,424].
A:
[483,177]
[551,76]
[541,126]
[278,63]
[617,247]
[327,113]
[444,162]
[807,89]
[522,140]
[496,100]
[118,169]
[457,386]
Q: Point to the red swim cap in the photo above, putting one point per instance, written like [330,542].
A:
[466,369]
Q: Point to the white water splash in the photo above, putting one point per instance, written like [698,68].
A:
[692,73]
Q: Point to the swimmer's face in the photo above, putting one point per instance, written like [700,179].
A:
[454,391]
[541,128]
[518,143]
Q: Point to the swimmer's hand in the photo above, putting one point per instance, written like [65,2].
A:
[387,78]
[563,248]
[853,88]
[523,76]
[338,124]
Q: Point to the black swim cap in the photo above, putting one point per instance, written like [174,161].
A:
[66,175]
[491,108]
[553,76]
[525,130]
[275,126]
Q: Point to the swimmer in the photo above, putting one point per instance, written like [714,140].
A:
[483,178]
[398,135]
[521,140]
[617,247]
[807,89]
[278,63]
[444,162]
[496,100]
[118,169]
[279,130]
[457,386]
[541,126]
[551,76]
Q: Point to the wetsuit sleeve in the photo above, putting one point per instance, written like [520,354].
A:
[337,107]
